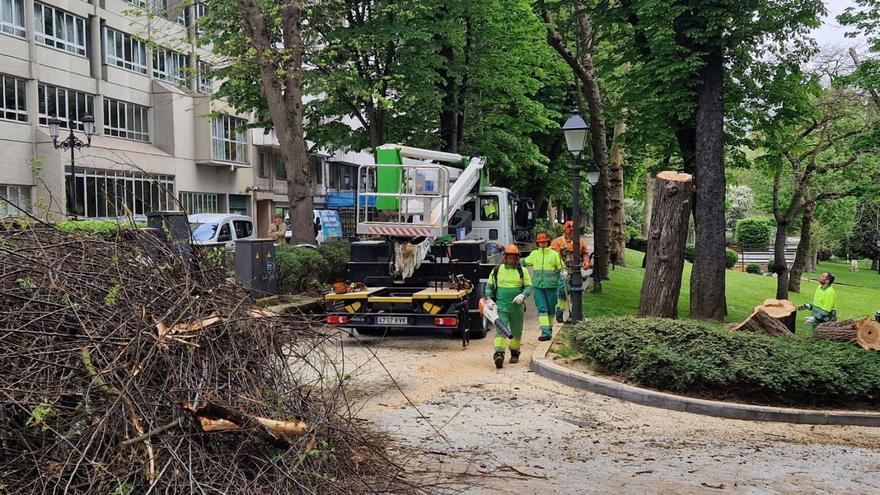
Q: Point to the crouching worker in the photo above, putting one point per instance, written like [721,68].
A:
[824,307]
[548,270]
[509,285]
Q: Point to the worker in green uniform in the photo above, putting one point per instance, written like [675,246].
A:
[824,307]
[509,285]
[548,270]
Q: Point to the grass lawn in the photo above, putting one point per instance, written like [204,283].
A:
[620,295]
[865,277]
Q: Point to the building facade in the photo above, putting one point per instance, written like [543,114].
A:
[161,141]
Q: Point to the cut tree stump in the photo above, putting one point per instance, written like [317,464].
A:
[664,259]
[761,322]
[782,310]
[865,333]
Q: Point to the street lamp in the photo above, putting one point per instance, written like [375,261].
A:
[593,179]
[575,130]
[72,143]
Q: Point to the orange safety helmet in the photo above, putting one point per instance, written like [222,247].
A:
[542,237]
[511,249]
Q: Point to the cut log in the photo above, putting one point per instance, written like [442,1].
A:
[841,331]
[782,310]
[761,322]
[216,418]
[664,259]
[868,334]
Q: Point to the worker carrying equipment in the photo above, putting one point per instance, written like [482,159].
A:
[509,285]
[546,278]
[564,245]
[489,310]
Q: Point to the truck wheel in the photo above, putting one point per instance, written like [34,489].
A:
[370,331]
[476,328]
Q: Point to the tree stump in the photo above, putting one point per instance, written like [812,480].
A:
[782,310]
[664,259]
[868,334]
[761,322]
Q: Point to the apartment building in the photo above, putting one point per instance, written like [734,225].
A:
[133,66]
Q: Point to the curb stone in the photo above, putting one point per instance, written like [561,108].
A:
[662,400]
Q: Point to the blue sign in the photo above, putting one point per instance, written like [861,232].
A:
[331,227]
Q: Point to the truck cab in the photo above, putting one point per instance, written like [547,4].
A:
[497,215]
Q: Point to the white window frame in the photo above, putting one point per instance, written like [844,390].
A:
[132,121]
[204,82]
[12,18]
[16,195]
[139,3]
[117,43]
[229,139]
[15,108]
[136,192]
[76,104]
[201,10]
[199,202]
[171,66]
[68,32]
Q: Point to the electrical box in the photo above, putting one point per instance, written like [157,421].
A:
[173,228]
[255,266]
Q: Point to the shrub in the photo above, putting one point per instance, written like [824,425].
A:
[637,244]
[98,227]
[696,357]
[554,230]
[299,268]
[753,268]
[337,254]
[632,232]
[754,233]
[730,258]
[823,253]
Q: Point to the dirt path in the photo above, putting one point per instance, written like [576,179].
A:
[509,430]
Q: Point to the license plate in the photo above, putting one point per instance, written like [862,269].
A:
[392,320]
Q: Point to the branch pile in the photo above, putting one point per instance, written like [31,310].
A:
[125,368]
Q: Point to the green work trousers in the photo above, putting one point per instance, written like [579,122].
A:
[511,315]
[545,301]
[562,291]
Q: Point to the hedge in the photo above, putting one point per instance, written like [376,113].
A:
[753,234]
[753,268]
[730,256]
[337,254]
[698,358]
[98,227]
[301,269]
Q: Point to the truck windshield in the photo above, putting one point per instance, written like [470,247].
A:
[203,231]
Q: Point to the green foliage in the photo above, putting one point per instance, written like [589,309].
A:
[553,229]
[98,227]
[730,258]
[753,268]
[299,269]
[39,416]
[753,234]
[337,254]
[694,357]
[112,295]
[689,250]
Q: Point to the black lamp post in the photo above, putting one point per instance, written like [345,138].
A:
[593,179]
[576,131]
[72,143]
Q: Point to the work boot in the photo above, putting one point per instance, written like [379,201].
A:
[544,338]
[498,357]
[514,357]
[559,316]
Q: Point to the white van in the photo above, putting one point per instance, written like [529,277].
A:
[225,228]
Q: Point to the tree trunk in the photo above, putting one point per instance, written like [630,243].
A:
[780,267]
[804,248]
[666,242]
[650,185]
[707,278]
[810,265]
[761,322]
[616,213]
[875,264]
[843,331]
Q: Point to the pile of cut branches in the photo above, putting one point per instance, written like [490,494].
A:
[128,367]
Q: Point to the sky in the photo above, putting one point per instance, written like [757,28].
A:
[831,32]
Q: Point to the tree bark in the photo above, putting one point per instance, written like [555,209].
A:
[283,90]
[616,213]
[843,331]
[666,242]
[761,322]
[650,185]
[707,278]
[780,267]
[804,248]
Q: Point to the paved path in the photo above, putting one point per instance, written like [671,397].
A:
[511,431]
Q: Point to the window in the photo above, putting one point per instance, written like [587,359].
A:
[14,103]
[238,204]
[139,3]
[201,11]
[160,7]
[60,29]
[204,77]
[193,202]
[280,169]
[243,228]
[124,51]
[228,139]
[125,120]
[12,197]
[170,66]
[489,208]
[183,14]
[341,177]
[263,170]
[317,169]
[64,104]
[110,193]
[12,17]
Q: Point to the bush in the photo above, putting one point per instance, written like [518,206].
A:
[696,357]
[753,268]
[299,268]
[753,234]
[337,254]
[98,227]
[554,230]
[632,232]
[637,244]
[730,258]
[823,253]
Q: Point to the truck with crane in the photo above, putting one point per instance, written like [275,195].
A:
[430,229]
